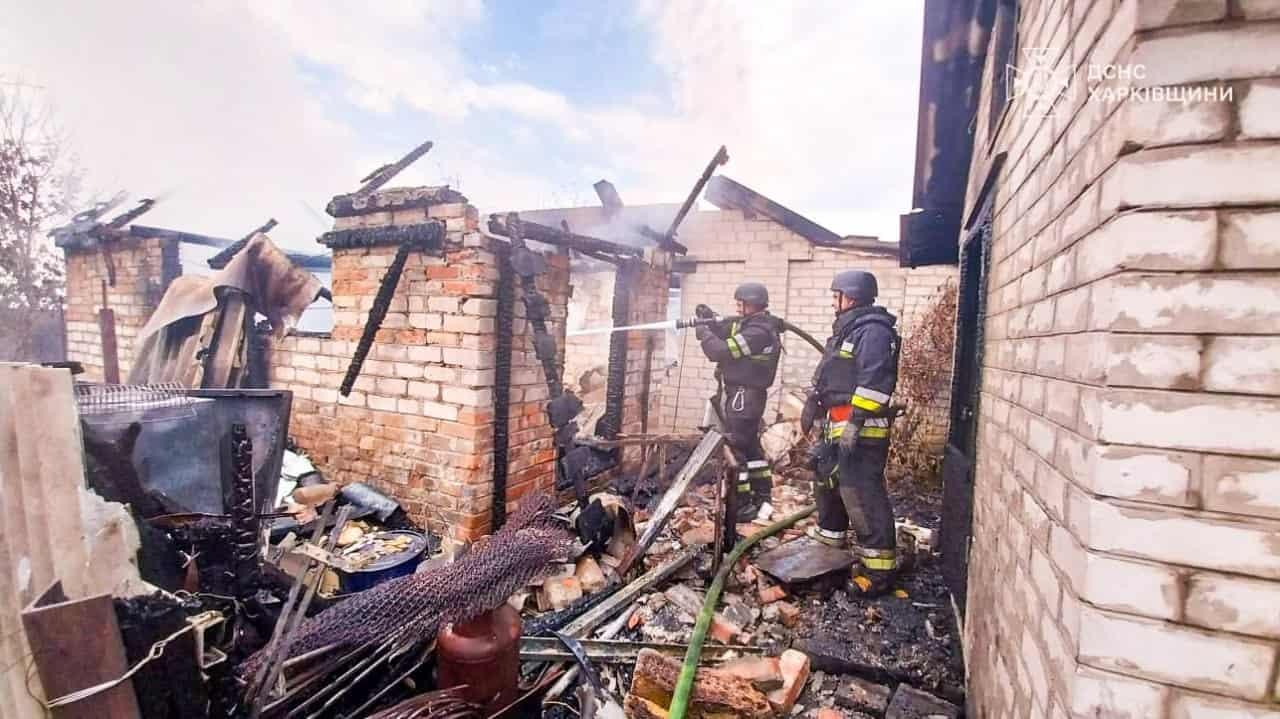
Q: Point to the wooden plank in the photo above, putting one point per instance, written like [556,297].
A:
[33,556]
[623,598]
[711,441]
[52,460]
[15,562]
[77,645]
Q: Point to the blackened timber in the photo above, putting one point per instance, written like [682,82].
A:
[221,259]
[609,198]
[502,383]
[665,242]
[377,313]
[374,180]
[721,157]
[553,236]
[610,424]
[393,199]
[426,236]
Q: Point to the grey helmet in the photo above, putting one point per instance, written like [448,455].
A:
[753,293]
[859,285]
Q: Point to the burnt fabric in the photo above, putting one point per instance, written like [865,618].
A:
[198,335]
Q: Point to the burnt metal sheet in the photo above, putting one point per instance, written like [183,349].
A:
[802,560]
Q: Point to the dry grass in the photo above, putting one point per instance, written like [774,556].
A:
[924,382]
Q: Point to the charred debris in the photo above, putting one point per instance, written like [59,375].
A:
[262,589]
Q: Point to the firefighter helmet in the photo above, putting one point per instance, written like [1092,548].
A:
[857,284]
[752,293]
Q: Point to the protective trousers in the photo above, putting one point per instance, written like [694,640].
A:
[742,409]
[850,489]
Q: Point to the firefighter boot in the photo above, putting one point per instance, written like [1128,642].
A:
[875,574]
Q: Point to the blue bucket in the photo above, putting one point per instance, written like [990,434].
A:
[400,564]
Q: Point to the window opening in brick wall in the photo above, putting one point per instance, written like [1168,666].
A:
[960,460]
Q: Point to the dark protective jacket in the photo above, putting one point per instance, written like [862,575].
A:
[746,350]
[859,371]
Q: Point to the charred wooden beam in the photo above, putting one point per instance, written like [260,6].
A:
[553,236]
[667,243]
[609,198]
[374,180]
[426,236]
[721,157]
[221,259]
[410,198]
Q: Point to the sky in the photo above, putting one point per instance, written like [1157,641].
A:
[232,113]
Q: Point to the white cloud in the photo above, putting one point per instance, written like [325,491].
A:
[815,100]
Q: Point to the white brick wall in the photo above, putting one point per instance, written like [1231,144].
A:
[1132,378]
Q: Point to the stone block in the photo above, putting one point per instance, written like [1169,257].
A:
[1147,475]
[1216,304]
[1234,604]
[1095,693]
[911,703]
[1184,538]
[862,695]
[1247,365]
[1215,53]
[1241,485]
[1143,588]
[1156,361]
[1191,176]
[1260,9]
[1187,705]
[1212,423]
[1176,655]
[1250,239]
[437,410]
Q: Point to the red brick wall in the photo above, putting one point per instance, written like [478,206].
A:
[418,424]
[143,270]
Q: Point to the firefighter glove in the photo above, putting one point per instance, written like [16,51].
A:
[704,312]
[809,413]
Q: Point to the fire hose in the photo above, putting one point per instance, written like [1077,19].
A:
[785,325]
[684,685]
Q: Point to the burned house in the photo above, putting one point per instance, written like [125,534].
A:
[1094,170]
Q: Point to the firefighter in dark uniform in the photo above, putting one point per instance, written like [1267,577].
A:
[745,351]
[852,389]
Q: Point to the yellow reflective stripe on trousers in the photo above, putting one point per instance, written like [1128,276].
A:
[835,429]
[879,563]
[869,405]
[874,432]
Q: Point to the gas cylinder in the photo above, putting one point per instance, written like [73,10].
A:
[484,654]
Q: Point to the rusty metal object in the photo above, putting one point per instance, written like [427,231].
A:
[803,559]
